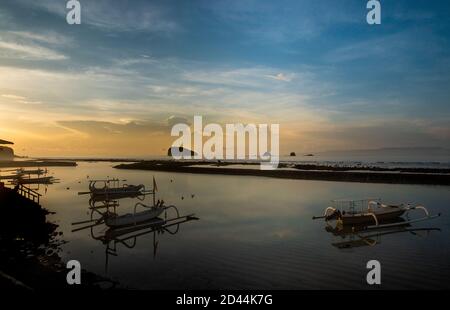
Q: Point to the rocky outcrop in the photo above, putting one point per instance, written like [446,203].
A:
[180,150]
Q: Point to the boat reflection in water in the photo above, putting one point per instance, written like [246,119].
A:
[126,229]
[360,235]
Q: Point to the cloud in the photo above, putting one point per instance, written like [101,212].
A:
[102,127]
[395,46]
[46,37]
[28,45]
[28,52]
[173,120]
[13,97]
[127,62]
[19,99]
[268,22]
[280,77]
[392,133]
[251,77]
[113,15]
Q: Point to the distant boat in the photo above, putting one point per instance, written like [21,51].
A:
[292,154]
[308,155]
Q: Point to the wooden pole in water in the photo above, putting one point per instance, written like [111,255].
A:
[154,192]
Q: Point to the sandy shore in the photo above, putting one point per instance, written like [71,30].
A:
[305,172]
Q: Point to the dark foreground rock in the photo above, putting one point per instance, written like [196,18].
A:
[30,247]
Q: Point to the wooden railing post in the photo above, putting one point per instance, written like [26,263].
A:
[29,193]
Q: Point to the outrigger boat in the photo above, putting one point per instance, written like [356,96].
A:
[114,221]
[20,173]
[107,193]
[22,176]
[113,189]
[42,180]
[371,212]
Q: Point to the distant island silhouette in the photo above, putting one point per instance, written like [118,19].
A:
[181,150]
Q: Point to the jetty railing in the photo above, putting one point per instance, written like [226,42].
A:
[29,193]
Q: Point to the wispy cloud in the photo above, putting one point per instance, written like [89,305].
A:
[50,37]
[281,77]
[113,15]
[285,22]
[19,99]
[31,46]
[30,52]
[13,97]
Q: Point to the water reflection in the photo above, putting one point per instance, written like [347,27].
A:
[361,236]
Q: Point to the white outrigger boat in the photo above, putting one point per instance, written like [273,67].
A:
[370,212]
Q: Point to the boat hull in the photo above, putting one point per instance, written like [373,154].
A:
[112,193]
[44,180]
[366,218]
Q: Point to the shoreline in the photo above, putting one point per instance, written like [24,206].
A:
[336,175]
[37,163]
[298,171]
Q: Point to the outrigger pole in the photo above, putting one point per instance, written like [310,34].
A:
[428,217]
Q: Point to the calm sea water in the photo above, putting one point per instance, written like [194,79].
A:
[253,233]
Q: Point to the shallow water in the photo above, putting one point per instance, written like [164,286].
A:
[253,232]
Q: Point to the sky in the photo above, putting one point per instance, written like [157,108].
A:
[115,84]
